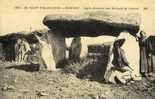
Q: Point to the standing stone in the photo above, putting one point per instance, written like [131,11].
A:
[75,49]
[46,61]
[131,48]
[57,42]
[84,48]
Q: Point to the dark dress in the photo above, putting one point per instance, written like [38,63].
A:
[119,60]
[146,58]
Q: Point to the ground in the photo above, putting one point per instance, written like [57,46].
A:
[19,83]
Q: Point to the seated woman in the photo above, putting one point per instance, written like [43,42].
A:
[118,67]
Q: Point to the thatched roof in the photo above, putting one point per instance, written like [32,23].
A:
[12,37]
[93,24]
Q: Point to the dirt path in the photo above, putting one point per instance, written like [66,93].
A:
[19,84]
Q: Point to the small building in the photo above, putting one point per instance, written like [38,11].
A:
[8,43]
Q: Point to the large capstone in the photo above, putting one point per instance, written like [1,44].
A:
[93,24]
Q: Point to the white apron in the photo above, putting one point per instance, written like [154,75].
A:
[131,48]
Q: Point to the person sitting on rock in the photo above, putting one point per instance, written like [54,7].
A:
[118,66]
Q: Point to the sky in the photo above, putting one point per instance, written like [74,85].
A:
[14,18]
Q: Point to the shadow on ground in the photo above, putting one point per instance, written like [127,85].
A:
[93,71]
[25,67]
[94,67]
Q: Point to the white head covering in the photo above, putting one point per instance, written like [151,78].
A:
[121,38]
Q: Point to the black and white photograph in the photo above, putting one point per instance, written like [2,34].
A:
[62,50]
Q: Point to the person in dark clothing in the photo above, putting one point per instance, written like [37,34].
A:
[146,58]
[119,55]
[119,61]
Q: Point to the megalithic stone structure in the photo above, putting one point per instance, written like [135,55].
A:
[87,24]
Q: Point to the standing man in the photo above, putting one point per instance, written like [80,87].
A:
[22,48]
[26,50]
[18,57]
[146,58]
